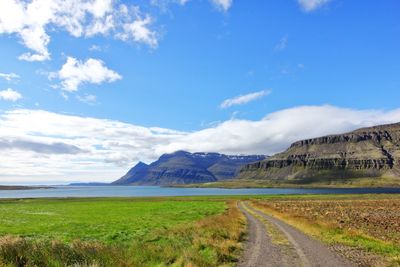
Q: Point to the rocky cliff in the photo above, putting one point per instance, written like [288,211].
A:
[367,152]
[183,167]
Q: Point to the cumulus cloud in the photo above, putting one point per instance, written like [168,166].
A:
[243,99]
[222,4]
[9,76]
[311,5]
[88,148]
[67,147]
[139,31]
[10,95]
[32,21]
[74,73]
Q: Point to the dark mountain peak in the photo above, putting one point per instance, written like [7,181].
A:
[141,164]
[183,167]
[179,153]
[134,174]
[138,167]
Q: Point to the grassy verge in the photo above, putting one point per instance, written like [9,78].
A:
[366,230]
[120,232]
[213,241]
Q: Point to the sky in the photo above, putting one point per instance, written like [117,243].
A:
[90,87]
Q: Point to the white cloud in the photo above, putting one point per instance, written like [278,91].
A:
[87,99]
[32,20]
[96,48]
[164,4]
[44,146]
[74,73]
[244,99]
[311,5]
[282,44]
[277,130]
[9,76]
[222,4]
[10,95]
[139,31]
[72,147]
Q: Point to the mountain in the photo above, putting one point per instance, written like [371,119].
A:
[364,153]
[134,175]
[183,167]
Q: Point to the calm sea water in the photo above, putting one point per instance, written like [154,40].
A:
[147,191]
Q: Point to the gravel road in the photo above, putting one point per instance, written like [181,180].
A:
[293,248]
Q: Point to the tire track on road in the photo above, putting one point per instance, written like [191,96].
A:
[262,251]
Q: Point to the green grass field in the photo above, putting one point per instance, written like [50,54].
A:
[184,231]
[107,220]
[120,232]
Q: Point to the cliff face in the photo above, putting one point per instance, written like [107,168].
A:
[367,152]
[185,168]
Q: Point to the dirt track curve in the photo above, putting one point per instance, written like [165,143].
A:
[272,242]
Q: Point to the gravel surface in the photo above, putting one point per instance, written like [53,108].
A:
[259,251]
[302,250]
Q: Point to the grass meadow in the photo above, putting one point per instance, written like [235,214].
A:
[120,232]
[188,231]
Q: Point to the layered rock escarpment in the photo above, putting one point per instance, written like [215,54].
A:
[367,152]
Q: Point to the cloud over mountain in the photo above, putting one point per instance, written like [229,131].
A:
[83,146]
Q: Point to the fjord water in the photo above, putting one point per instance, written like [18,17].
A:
[154,191]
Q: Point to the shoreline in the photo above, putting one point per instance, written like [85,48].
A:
[22,187]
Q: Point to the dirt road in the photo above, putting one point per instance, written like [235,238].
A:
[274,243]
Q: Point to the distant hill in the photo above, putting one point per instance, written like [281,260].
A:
[369,152]
[183,167]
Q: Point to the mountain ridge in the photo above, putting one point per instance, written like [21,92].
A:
[182,167]
[366,152]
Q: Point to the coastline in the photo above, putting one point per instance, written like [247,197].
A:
[22,187]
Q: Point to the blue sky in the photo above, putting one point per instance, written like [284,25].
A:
[171,65]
